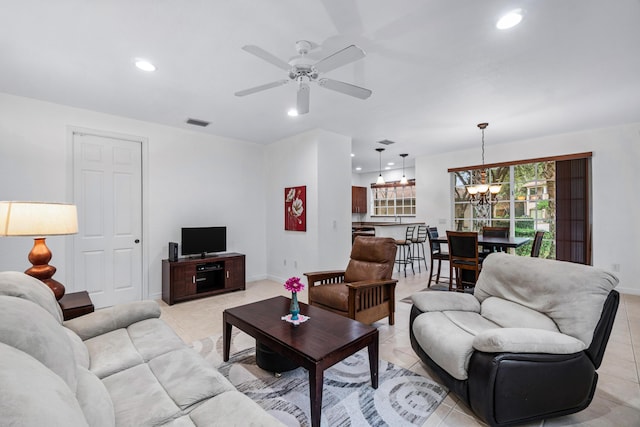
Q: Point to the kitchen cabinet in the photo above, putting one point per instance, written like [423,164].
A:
[358,200]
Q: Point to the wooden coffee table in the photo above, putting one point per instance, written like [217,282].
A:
[317,344]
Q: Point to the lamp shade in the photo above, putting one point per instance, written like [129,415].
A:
[37,219]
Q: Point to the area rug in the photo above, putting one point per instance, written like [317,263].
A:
[403,398]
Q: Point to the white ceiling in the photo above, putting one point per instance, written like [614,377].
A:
[436,67]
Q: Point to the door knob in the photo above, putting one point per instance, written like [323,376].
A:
[137,241]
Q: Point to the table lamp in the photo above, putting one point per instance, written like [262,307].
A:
[39,219]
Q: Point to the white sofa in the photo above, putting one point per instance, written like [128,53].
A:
[120,366]
[526,344]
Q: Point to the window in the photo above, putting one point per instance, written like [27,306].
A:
[530,200]
[525,203]
[394,199]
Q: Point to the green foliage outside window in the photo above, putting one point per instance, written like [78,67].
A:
[527,207]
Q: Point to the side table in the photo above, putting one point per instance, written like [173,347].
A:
[75,304]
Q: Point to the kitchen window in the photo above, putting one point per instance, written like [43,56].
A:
[394,199]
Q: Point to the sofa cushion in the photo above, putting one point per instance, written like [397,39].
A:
[445,301]
[447,337]
[371,259]
[231,409]
[334,295]
[94,400]
[471,323]
[80,351]
[139,399]
[526,340]
[513,315]
[17,284]
[33,395]
[112,352]
[204,382]
[571,294]
[31,329]
[112,318]
[153,337]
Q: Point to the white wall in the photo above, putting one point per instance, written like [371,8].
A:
[321,161]
[199,179]
[616,207]
[334,201]
[193,179]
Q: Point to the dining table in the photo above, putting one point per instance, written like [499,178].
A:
[496,242]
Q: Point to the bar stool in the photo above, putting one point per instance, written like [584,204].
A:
[404,252]
[417,243]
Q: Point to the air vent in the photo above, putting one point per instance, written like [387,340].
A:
[197,122]
[386,142]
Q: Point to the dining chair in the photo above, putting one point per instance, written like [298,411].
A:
[463,258]
[436,254]
[404,250]
[537,244]
[493,232]
[417,244]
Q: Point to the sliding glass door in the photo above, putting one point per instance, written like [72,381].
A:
[526,202]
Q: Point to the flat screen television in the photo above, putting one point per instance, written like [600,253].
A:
[203,240]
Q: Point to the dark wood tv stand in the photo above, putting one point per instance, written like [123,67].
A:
[191,278]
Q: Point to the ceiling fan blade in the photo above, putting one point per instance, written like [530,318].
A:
[346,88]
[340,58]
[303,98]
[263,54]
[261,87]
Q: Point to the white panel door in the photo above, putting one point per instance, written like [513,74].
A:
[108,192]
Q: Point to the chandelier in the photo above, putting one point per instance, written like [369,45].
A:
[483,193]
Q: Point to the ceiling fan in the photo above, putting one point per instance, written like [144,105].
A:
[303,72]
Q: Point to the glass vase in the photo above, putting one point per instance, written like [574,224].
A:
[294,307]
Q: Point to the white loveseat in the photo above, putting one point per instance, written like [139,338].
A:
[526,344]
[120,366]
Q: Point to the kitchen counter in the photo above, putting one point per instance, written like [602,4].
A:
[396,230]
[357,225]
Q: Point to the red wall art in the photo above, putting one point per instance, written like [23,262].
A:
[295,205]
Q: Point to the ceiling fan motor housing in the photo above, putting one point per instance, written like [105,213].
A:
[303,47]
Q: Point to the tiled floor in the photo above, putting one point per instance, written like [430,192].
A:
[617,398]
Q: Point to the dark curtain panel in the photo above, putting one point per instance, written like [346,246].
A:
[573,207]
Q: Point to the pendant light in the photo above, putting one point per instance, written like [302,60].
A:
[483,193]
[404,180]
[380,180]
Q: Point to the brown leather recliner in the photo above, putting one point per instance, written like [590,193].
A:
[364,291]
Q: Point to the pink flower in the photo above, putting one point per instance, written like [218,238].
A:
[294,284]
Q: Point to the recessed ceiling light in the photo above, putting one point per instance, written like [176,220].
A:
[292,112]
[145,65]
[390,164]
[387,168]
[510,20]
[353,155]
[358,168]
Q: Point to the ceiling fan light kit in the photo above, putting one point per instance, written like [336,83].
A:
[303,72]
